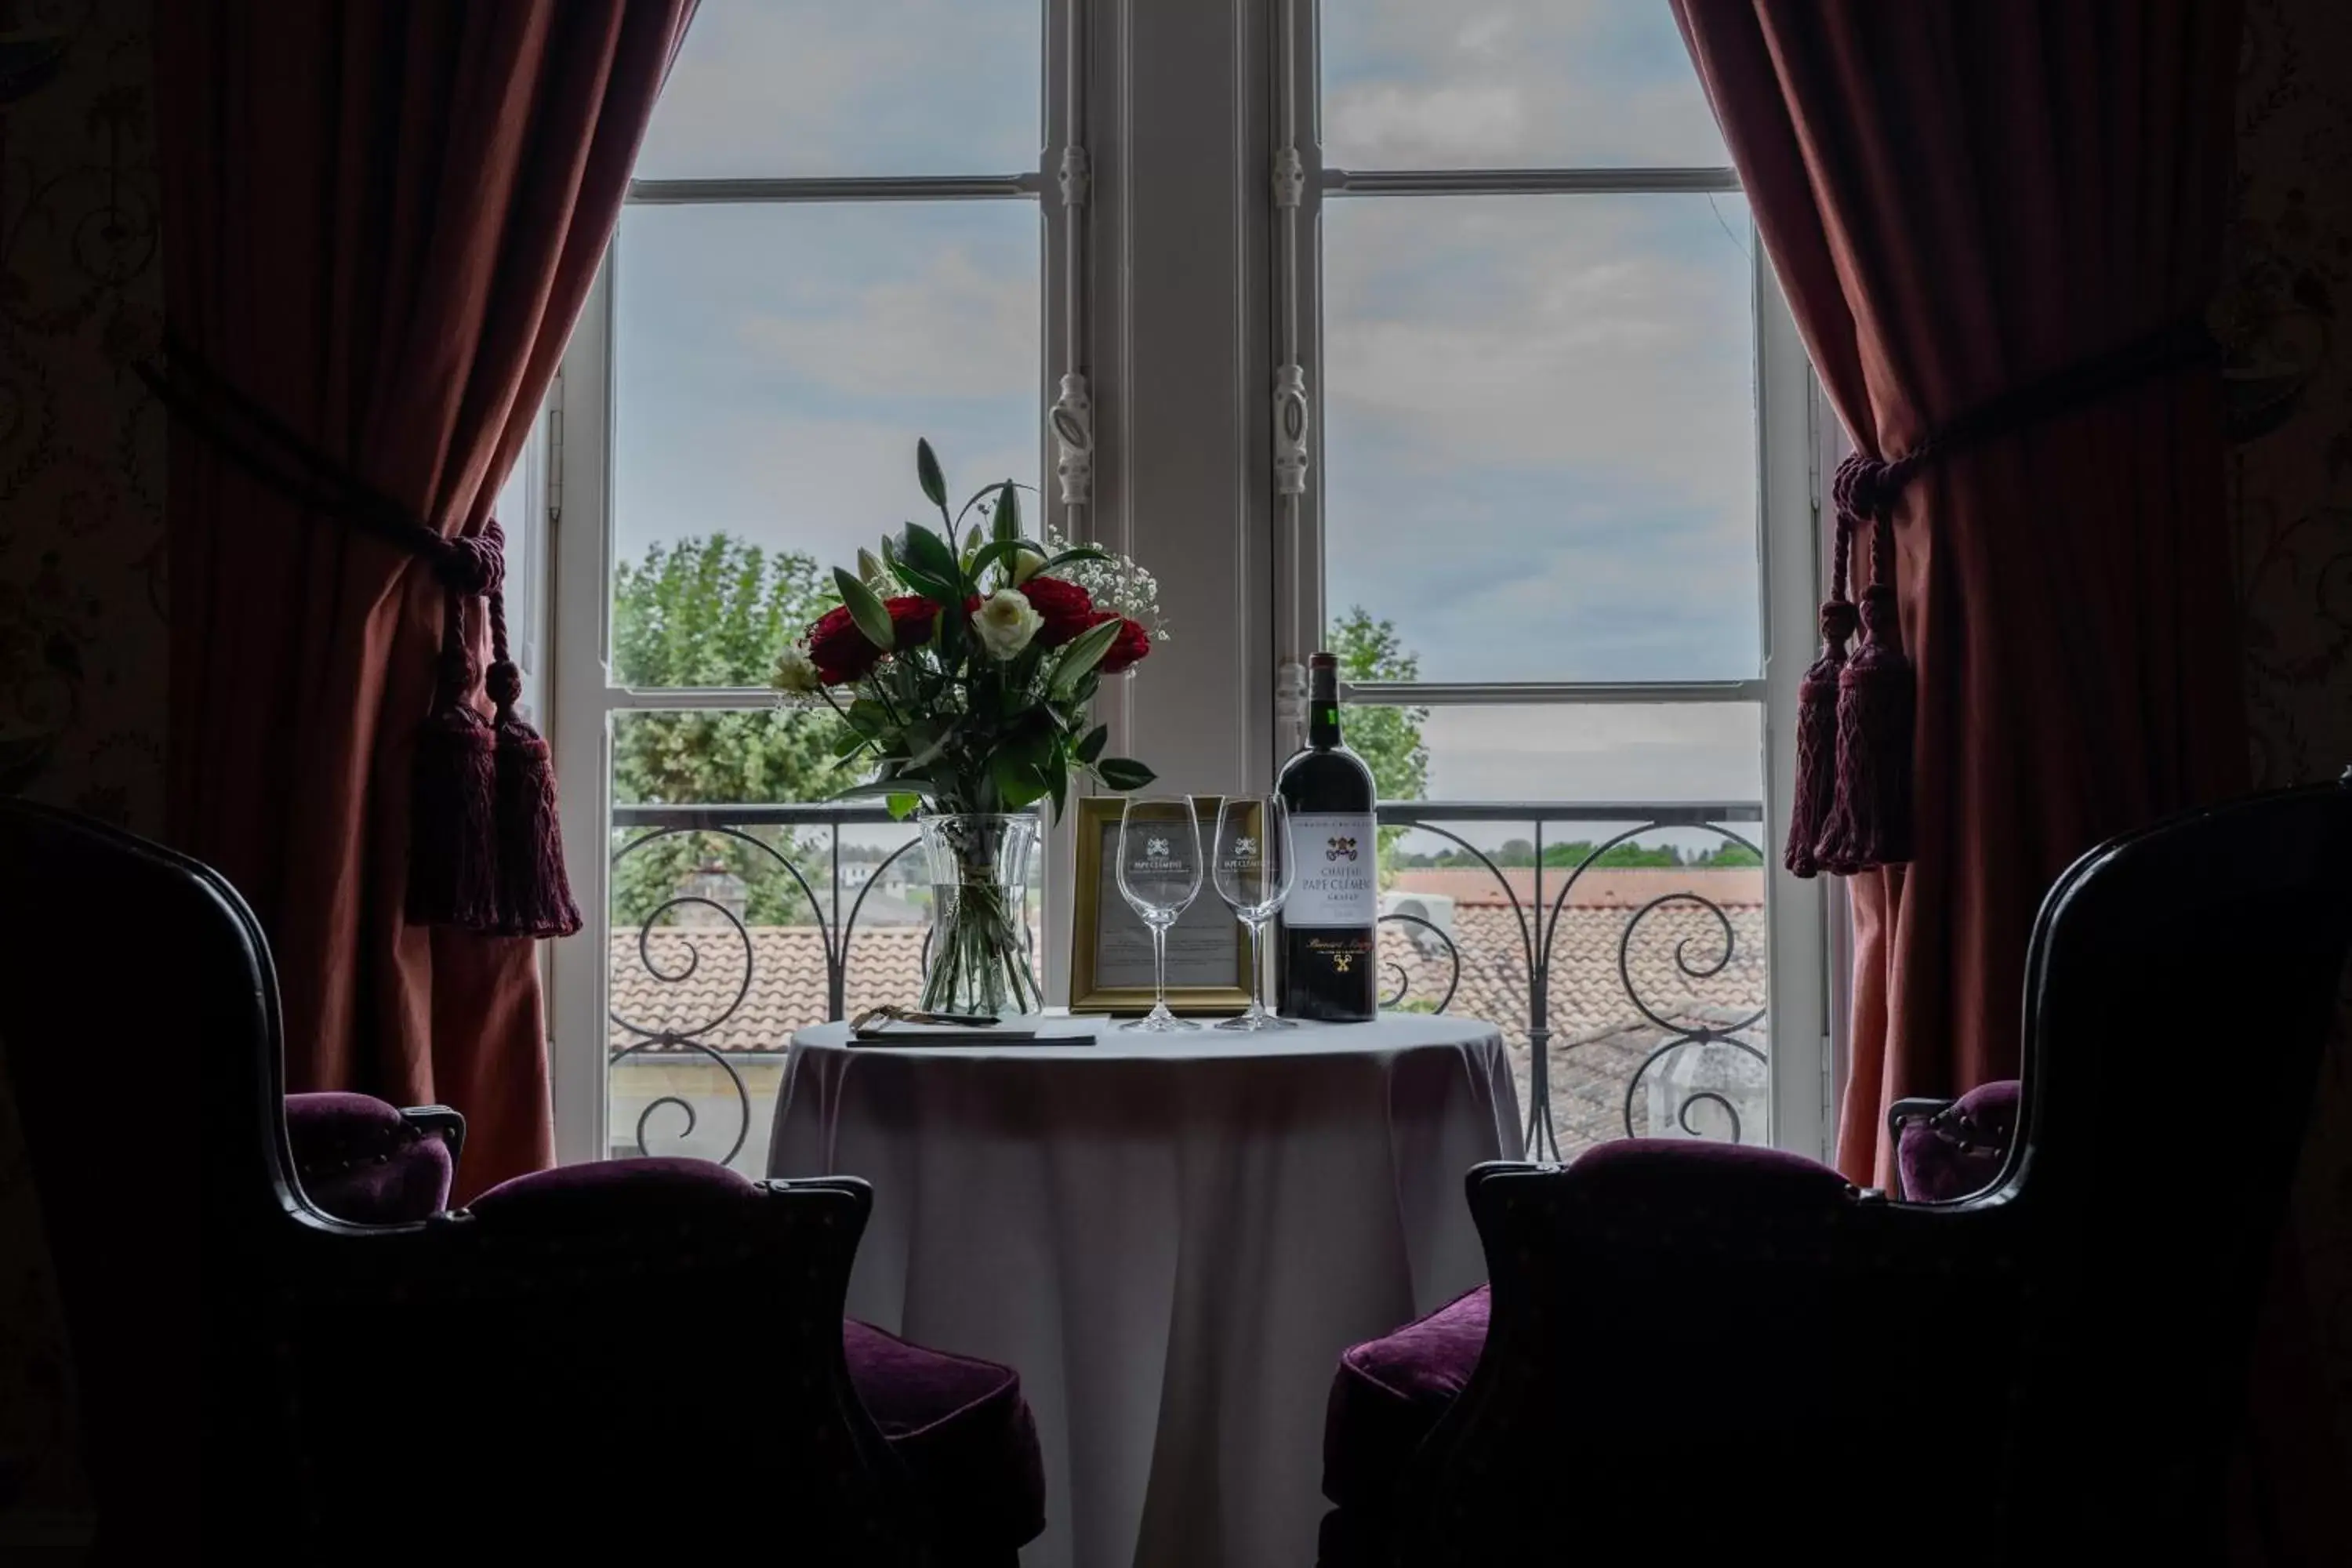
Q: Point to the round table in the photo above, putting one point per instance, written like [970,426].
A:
[1171,1237]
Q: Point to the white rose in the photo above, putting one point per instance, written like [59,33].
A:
[795,672]
[1007,621]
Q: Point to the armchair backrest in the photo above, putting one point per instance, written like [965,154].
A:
[139,1009]
[1723,1349]
[479,1373]
[2180,990]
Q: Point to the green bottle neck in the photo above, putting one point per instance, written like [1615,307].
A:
[1323,710]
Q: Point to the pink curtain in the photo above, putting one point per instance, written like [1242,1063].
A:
[380,220]
[1963,197]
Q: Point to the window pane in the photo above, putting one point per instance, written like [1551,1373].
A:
[776,87]
[1512,84]
[1540,433]
[773,365]
[1617,752]
[716,950]
[1661,936]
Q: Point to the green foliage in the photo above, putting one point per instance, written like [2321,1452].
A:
[1388,739]
[712,612]
[1573,854]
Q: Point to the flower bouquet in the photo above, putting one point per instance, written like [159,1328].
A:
[965,669]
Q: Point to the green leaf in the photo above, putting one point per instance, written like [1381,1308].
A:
[1092,746]
[982,493]
[927,470]
[903,806]
[1018,784]
[1005,550]
[1007,521]
[928,556]
[925,745]
[1124,772]
[1081,654]
[868,717]
[877,786]
[970,546]
[1057,778]
[1075,553]
[866,609]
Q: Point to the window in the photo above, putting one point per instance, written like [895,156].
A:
[1442,337]
[833,243]
[1524,298]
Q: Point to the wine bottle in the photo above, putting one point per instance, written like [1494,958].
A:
[1326,946]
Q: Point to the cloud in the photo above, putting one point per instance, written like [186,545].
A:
[778,87]
[1597,752]
[1539,416]
[775,363]
[1386,125]
[953,328]
[1510,83]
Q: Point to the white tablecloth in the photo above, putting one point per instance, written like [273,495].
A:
[1171,1238]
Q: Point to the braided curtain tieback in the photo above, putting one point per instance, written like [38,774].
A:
[1850,809]
[485,848]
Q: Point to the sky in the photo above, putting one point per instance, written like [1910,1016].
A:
[1538,411]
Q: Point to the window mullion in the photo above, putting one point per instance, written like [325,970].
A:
[1528,182]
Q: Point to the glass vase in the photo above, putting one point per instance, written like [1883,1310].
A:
[980,957]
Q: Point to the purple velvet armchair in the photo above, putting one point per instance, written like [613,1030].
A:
[1693,1351]
[298,1351]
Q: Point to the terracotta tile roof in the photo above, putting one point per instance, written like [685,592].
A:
[1673,957]
[687,982]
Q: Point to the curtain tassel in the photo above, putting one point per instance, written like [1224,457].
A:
[1817,721]
[452,853]
[485,848]
[1869,822]
[534,891]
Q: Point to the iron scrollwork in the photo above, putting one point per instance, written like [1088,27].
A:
[691,1037]
[1539,931]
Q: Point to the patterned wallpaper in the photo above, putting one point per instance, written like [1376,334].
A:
[2291,490]
[81,629]
[81,486]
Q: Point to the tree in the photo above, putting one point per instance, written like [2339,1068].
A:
[712,612]
[1388,739]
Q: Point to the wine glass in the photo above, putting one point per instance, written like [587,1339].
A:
[1160,875]
[1251,867]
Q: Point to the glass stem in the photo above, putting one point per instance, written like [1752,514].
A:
[1158,967]
[1258,971]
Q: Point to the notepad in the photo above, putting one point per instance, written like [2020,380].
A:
[917,1035]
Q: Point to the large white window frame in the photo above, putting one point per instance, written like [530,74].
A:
[1177,291]
[582,695]
[1789,442]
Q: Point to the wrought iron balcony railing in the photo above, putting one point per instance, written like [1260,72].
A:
[1632,997]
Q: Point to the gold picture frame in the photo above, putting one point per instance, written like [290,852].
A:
[1103,961]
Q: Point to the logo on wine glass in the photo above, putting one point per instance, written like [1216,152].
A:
[1337,847]
[1156,847]
[1244,847]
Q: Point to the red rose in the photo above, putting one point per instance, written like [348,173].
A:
[911,619]
[838,649]
[1067,609]
[1131,647]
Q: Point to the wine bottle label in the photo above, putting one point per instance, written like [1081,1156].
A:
[1338,872]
